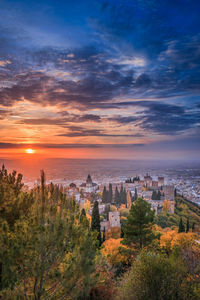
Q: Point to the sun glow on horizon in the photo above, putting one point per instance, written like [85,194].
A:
[29,151]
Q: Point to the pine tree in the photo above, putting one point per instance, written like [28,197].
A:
[30,255]
[95,223]
[138,228]
[181,227]
[188,225]
[110,193]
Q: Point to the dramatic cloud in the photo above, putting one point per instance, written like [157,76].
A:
[68,146]
[61,121]
[80,131]
[117,69]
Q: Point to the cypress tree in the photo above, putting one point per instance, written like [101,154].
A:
[121,195]
[181,227]
[83,213]
[104,234]
[188,225]
[104,196]
[107,209]
[116,195]
[136,195]
[124,197]
[110,193]
[154,195]
[95,223]
[158,195]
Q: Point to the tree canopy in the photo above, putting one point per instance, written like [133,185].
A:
[138,228]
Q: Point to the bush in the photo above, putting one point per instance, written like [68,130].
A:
[156,277]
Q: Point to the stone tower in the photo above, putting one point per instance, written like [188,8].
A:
[114,219]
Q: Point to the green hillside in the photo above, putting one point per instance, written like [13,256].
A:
[183,208]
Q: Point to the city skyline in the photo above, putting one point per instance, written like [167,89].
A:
[100,79]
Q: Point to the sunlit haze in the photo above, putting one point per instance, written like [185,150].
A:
[30,151]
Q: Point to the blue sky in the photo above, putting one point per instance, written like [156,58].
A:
[99,74]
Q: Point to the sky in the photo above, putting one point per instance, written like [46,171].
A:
[100,79]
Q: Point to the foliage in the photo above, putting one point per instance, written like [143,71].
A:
[166,206]
[49,250]
[183,209]
[156,195]
[166,220]
[95,223]
[110,193]
[105,289]
[111,251]
[124,212]
[155,276]
[113,232]
[113,208]
[181,227]
[49,253]
[187,209]
[171,240]
[120,257]
[117,196]
[135,195]
[138,228]
[87,205]
[107,196]
[132,180]
[120,196]
[13,201]
[188,225]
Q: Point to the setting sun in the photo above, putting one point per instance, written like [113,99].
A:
[30,151]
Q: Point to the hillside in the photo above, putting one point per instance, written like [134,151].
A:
[183,208]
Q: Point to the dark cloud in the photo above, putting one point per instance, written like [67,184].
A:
[4,113]
[77,131]
[61,121]
[66,146]
[143,80]
[160,117]
[29,86]
[123,120]
[168,119]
